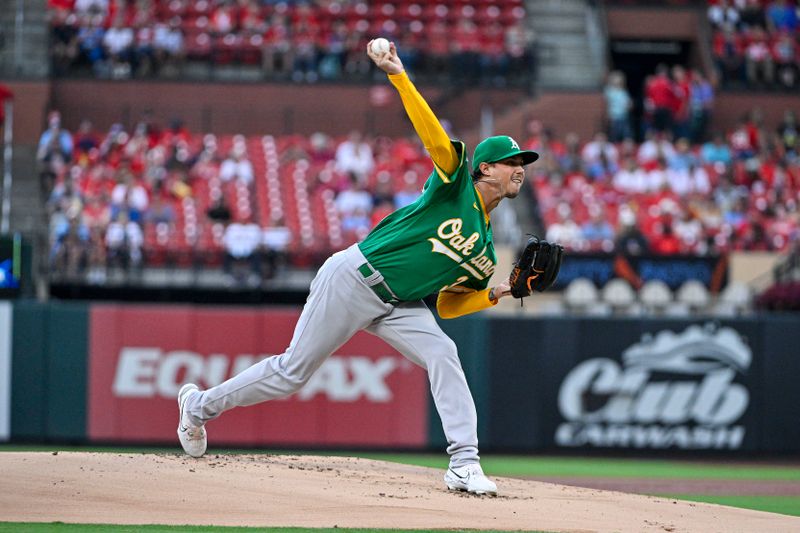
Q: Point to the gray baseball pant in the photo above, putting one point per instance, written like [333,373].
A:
[340,304]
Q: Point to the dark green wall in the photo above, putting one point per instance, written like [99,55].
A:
[49,371]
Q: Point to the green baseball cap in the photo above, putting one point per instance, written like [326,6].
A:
[499,147]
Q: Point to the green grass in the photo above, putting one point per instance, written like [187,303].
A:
[60,527]
[598,467]
[789,505]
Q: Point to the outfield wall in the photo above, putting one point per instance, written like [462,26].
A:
[110,373]
[5,371]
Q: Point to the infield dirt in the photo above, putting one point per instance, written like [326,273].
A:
[309,491]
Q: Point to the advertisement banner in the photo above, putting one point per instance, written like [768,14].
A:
[5,370]
[629,384]
[366,394]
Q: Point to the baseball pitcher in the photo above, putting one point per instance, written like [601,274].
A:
[441,242]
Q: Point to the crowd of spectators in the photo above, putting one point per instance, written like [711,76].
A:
[740,190]
[756,43]
[122,200]
[676,101]
[485,42]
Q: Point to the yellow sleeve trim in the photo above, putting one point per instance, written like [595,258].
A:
[456,304]
[441,174]
[427,126]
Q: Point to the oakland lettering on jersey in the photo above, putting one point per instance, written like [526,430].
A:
[450,230]
[457,247]
[146,372]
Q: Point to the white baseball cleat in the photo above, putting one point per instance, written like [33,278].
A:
[469,478]
[193,438]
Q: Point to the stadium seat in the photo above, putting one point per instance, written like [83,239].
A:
[734,300]
[619,294]
[580,295]
[655,295]
[693,294]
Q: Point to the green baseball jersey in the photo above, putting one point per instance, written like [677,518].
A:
[441,241]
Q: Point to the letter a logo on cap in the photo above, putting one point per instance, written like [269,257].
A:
[514,144]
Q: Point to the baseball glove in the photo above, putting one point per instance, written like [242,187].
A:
[537,267]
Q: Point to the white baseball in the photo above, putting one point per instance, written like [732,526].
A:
[380,46]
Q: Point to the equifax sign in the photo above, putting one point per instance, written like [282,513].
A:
[148,372]
[367,394]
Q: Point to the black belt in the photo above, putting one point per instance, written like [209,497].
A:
[378,285]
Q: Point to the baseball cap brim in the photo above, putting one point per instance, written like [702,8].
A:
[528,156]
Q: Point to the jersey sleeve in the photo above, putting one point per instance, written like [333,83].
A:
[439,182]
[456,304]
[427,126]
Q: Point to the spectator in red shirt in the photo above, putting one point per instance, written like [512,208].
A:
[660,99]
[666,242]
[756,130]
[85,141]
[5,94]
[682,91]
[224,19]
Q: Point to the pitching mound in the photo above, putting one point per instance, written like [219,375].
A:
[277,490]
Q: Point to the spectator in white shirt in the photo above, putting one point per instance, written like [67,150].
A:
[690,232]
[242,240]
[124,241]
[93,7]
[130,197]
[237,165]
[689,181]
[722,14]
[600,144]
[354,156]
[354,198]
[118,45]
[630,179]
[565,232]
[656,178]
[654,148]
[276,239]
[168,46]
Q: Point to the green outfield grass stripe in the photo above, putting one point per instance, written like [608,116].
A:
[788,505]
[60,527]
[599,467]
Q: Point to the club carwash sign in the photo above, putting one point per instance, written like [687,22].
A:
[673,390]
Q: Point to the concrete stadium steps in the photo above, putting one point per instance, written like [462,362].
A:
[27,56]
[27,210]
[564,30]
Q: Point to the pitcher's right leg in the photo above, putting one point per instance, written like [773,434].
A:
[320,330]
